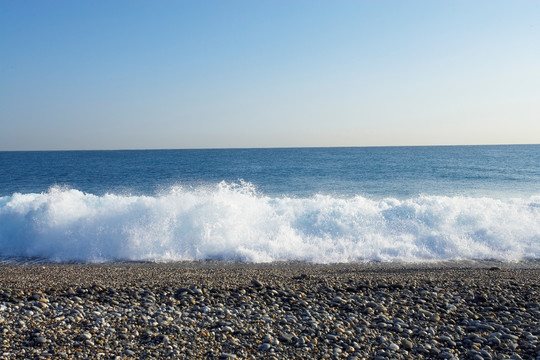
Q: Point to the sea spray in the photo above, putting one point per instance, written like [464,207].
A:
[232,221]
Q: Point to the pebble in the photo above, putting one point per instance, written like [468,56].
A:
[406,344]
[40,340]
[227,356]
[446,355]
[286,337]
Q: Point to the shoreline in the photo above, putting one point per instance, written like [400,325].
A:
[221,310]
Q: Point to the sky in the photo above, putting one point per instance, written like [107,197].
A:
[235,74]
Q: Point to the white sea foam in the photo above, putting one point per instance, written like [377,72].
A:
[234,222]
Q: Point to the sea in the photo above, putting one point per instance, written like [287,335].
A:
[314,205]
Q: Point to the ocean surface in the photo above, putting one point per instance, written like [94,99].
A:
[321,205]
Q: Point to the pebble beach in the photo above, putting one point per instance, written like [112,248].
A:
[228,310]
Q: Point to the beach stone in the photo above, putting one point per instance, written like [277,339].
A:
[163,339]
[40,340]
[332,337]
[510,336]
[227,329]
[286,337]
[197,291]
[256,283]
[225,356]
[446,355]
[485,354]
[406,344]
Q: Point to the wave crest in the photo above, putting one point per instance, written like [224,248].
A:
[232,221]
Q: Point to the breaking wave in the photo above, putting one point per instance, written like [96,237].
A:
[230,221]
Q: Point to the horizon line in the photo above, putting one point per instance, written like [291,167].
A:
[272,147]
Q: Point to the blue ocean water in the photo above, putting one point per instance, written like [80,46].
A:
[258,205]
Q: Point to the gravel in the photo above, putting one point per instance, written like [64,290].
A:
[222,310]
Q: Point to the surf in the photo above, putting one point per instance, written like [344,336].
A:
[234,221]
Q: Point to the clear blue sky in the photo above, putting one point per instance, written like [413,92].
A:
[206,74]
